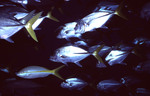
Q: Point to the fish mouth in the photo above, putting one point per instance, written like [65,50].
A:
[60,37]
[53,58]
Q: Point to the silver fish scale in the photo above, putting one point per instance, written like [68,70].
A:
[8,22]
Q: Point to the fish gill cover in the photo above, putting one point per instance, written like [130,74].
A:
[74,48]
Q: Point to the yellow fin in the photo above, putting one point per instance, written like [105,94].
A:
[29,24]
[55,72]
[118,11]
[60,10]
[49,15]
[95,54]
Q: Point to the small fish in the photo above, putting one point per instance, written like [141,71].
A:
[74,84]
[6,70]
[143,92]
[109,85]
[32,72]
[72,54]
[116,57]
[24,2]
[130,80]
[3,4]
[143,67]
[145,11]
[142,41]
[89,23]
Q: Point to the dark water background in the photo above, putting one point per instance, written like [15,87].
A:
[26,52]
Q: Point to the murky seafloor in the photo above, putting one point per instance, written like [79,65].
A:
[26,52]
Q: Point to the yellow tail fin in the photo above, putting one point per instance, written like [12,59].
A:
[60,10]
[49,15]
[118,11]
[29,24]
[95,54]
[55,71]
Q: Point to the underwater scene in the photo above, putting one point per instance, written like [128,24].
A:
[74,48]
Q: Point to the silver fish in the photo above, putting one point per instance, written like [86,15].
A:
[143,67]
[32,72]
[142,41]
[116,57]
[74,84]
[130,81]
[71,54]
[143,91]
[74,54]
[24,2]
[89,23]
[109,85]
[6,70]
[145,11]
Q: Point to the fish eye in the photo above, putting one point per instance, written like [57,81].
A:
[70,84]
[66,32]
[63,56]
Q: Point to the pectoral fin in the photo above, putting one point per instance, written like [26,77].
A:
[29,24]
[77,63]
[9,40]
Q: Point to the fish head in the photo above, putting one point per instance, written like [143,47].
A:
[58,57]
[67,31]
[66,85]
[20,1]
[23,74]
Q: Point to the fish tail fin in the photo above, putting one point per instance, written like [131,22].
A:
[119,9]
[29,24]
[55,72]
[95,54]
[49,15]
[60,10]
